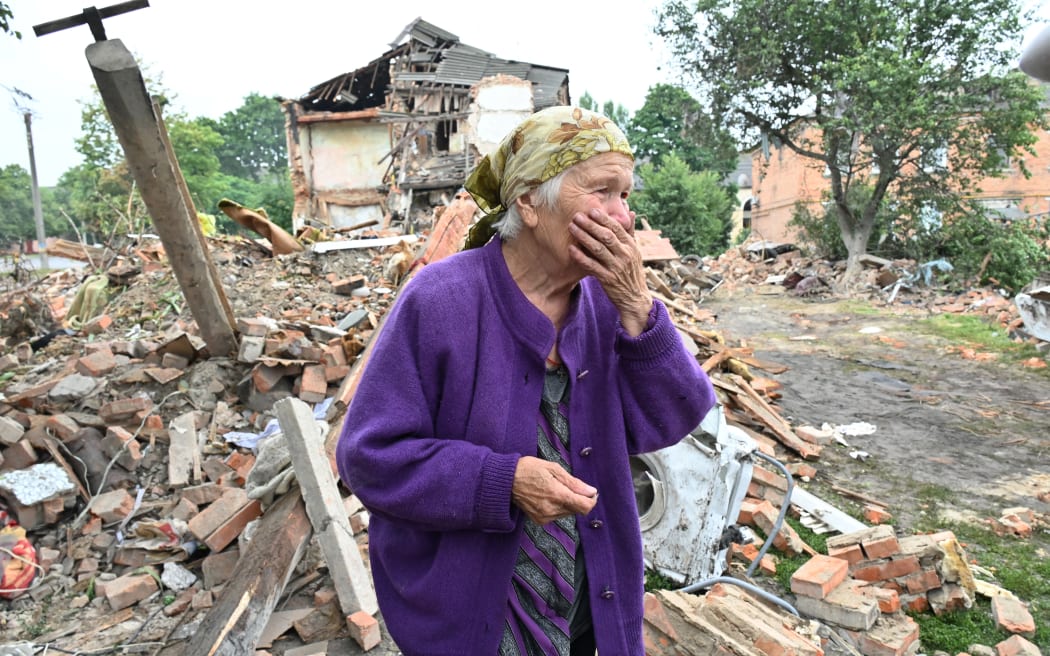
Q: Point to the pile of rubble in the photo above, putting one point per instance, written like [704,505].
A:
[144,507]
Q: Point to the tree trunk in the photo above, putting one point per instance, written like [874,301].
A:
[855,238]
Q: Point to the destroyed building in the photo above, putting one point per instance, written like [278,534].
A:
[407,127]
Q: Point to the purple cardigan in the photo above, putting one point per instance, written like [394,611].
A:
[446,407]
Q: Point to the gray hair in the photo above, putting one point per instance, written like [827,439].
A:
[546,195]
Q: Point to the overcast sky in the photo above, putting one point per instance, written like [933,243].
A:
[212,53]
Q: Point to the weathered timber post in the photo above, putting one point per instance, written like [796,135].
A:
[157,175]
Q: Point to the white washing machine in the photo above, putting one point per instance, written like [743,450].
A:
[689,497]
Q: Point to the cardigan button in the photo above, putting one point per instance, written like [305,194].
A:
[608,594]
[596,523]
[586,451]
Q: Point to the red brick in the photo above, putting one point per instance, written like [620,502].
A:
[927,579]
[891,636]
[769,479]
[886,570]
[364,629]
[202,494]
[1016,646]
[1013,616]
[222,509]
[121,410]
[253,327]
[884,546]
[241,463]
[335,373]
[112,506]
[851,553]
[19,455]
[97,364]
[221,537]
[819,576]
[63,426]
[129,589]
[265,377]
[748,508]
[120,440]
[334,356]
[97,325]
[313,387]
[876,514]
[947,598]
[889,600]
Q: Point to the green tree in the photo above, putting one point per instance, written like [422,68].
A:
[618,113]
[16,204]
[254,144]
[874,89]
[691,209]
[195,144]
[673,121]
[17,220]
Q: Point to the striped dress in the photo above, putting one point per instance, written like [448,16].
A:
[548,602]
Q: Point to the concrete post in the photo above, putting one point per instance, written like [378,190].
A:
[141,134]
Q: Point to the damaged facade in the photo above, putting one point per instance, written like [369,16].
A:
[407,127]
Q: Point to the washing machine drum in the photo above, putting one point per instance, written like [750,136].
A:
[688,495]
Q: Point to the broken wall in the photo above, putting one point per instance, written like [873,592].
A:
[500,103]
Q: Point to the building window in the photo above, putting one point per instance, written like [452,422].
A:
[935,159]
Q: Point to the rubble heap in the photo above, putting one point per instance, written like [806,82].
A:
[139,474]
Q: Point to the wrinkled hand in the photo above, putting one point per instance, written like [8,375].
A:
[546,492]
[607,251]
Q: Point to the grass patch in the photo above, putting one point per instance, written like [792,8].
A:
[977,332]
[1021,566]
[860,308]
[656,581]
[955,632]
[788,565]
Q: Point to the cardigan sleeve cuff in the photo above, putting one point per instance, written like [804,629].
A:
[659,339]
[494,492]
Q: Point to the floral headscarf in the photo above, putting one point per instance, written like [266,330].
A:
[542,146]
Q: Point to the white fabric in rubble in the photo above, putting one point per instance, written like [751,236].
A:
[272,474]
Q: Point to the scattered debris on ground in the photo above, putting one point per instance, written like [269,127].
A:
[147,487]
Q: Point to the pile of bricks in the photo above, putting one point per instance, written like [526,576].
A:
[870,577]
[726,620]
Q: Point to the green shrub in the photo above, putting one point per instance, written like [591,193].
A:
[691,209]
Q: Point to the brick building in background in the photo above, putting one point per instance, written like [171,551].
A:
[780,178]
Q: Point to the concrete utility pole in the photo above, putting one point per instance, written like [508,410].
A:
[144,139]
[38,213]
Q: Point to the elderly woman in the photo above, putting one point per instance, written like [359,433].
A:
[491,432]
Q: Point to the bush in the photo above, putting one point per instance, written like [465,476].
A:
[985,251]
[691,209]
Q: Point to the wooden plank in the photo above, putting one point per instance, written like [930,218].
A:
[750,400]
[234,625]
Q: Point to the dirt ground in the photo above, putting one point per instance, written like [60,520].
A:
[974,435]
